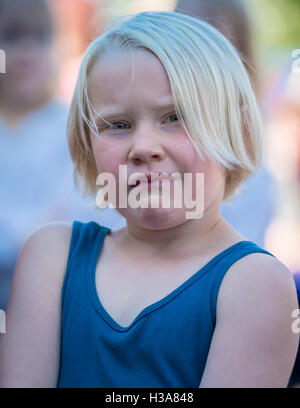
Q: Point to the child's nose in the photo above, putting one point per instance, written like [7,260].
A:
[145,154]
[146,147]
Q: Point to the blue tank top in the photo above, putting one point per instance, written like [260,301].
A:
[166,345]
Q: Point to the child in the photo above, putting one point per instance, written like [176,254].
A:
[166,301]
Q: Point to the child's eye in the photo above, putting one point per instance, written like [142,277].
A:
[172,118]
[119,125]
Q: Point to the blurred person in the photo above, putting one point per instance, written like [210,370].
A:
[252,209]
[283,131]
[35,166]
[75,28]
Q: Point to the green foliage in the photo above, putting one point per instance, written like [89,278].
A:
[278,21]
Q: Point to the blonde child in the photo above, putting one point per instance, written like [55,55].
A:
[166,301]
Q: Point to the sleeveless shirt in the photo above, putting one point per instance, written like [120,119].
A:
[165,346]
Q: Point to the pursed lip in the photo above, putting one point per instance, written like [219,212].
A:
[135,179]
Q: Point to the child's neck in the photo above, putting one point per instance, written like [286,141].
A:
[193,237]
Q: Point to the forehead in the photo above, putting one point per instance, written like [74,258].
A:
[128,76]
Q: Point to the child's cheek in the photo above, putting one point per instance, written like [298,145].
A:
[191,162]
[190,159]
[107,158]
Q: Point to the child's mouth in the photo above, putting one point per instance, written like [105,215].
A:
[151,179]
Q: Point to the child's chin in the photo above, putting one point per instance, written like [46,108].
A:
[158,218]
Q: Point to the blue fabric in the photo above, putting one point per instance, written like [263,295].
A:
[167,343]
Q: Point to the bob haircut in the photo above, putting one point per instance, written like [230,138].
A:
[213,95]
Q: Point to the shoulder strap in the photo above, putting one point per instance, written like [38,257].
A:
[83,246]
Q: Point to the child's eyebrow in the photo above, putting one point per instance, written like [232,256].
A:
[111,112]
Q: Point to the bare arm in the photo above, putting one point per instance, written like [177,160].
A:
[253,343]
[29,350]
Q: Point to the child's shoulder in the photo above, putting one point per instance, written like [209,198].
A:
[255,306]
[256,279]
[255,271]
[49,245]
[53,234]
[258,267]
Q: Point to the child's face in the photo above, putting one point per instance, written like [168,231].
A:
[147,137]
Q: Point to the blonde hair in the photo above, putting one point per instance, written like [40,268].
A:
[212,93]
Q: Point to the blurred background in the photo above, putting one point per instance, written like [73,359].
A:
[44,41]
